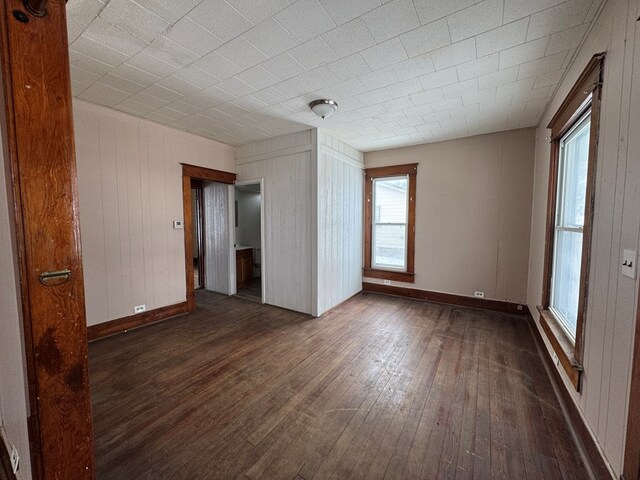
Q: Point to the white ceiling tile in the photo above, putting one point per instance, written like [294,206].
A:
[498,78]
[132,18]
[461,88]
[305,20]
[427,38]
[113,37]
[218,66]
[349,38]
[120,83]
[270,37]
[283,66]
[170,52]
[209,97]
[258,77]
[413,67]
[558,18]
[439,79]
[481,66]
[134,74]
[318,78]
[446,104]
[83,12]
[313,53]
[242,53]
[404,88]
[454,54]
[162,92]
[349,67]
[184,108]
[103,94]
[384,54]
[430,10]
[220,19]
[236,87]
[342,11]
[151,64]
[542,65]
[169,11]
[256,12]
[566,39]
[87,63]
[523,53]
[83,76]
[391,19]
[502,38]
[519,86]
[375,96]
[515,9]
[216,114]
[194,76]
[192,36]
[547,79]
[378,79]
[150,100]
[476,19]
[134,108]
[427,96]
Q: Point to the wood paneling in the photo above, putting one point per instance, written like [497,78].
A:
[340,210]
[39,134]
[218,249]
[379,387]
[112,327]
[130,185]
[445,298]
[609,326]
[287,198]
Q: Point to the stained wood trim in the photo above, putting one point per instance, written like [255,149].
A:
[593,454]
[370,173]
[38,124]
[101,330]
[585,94]
[632,445]
[446,298]
[389,275]
[189,173]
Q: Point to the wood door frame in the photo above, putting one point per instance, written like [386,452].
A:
[193,172]
[259,181]
[38,139]
[631,469]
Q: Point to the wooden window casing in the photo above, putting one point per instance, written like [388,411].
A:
[408,274]
[584,96]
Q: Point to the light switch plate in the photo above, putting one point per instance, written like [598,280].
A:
[177,224]
[629,260]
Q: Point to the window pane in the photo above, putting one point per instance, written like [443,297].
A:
[566,279]
[574,158]
[389,243]
[390,197]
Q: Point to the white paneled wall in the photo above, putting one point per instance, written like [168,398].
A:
[285,163]
[217,237]
[609,327]
[340,180]
[130,188]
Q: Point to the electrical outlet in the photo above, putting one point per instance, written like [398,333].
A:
[387,282]
[519,308]
[139,309]
[479,294]
[15,459]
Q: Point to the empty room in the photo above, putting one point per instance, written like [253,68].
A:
[319,239]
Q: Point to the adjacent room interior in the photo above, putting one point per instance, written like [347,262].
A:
[313,239]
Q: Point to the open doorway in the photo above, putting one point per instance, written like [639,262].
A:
[197,207]
[249,240]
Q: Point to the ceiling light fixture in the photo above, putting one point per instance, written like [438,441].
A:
[323,108]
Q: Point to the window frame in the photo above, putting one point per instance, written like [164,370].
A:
[409,170]
[585,95]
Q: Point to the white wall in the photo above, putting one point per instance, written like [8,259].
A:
[13,388]
[473,213]
[285,163]
[130,187]
[609,327]
[217,238]
[340,180]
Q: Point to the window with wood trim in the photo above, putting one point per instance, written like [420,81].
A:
[574,139]
[390,213]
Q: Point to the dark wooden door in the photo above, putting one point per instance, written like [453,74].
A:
[39,146]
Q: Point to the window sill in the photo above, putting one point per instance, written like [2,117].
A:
[562,345]
[389,275]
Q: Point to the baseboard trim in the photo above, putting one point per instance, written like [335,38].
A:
[112,327]
[592,454]
[446,298]
[5,458]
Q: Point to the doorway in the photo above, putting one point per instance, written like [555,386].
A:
[197,207]
[249,240]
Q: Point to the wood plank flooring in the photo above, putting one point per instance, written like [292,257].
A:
[378,388]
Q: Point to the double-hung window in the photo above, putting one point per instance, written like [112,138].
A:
[390,218]
[574,136]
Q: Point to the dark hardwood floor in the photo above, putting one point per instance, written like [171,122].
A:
[379,387]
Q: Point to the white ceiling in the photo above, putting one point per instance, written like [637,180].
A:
[402,71]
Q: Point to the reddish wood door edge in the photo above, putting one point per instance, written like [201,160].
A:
[39,147]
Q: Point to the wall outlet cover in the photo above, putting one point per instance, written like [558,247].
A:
[387,282]
[139,309]
[629,263]
[177,224]
[479,294]
[15,459]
